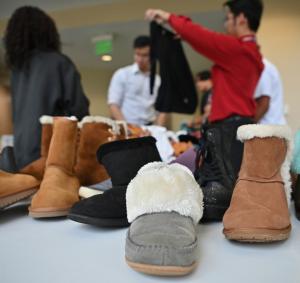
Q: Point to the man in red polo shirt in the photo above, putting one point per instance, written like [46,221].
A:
[237,69]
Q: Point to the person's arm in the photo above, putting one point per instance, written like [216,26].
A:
[262,106]
[215,46]
[116,95]
[161,119]
[115,112]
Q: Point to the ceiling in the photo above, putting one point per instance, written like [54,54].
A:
[8,6]
[78,45]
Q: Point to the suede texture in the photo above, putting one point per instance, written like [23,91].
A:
[59,191]
[92,136]
[11,184]
[59,188]
[37,167]
[164,239]
[122,159]
[259,199]
[110,204]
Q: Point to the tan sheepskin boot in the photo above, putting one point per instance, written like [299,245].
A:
[258,210]
[94,131]
[59,188]
[16,187]
[37,167]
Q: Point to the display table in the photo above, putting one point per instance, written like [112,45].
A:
[63,251]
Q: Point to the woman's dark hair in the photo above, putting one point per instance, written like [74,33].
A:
[141,41]
[252,10]
[203,75]
[29,29]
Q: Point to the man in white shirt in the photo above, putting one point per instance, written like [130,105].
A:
[129,95]
[269,97]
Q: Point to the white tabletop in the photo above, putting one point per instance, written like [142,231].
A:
[63,251]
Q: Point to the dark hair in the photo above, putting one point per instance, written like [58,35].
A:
[28,29]
[252,9]
[203,75]
[141,41]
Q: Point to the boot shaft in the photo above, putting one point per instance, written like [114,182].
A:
[122,159]
[263,158]
[47,131]
[62,151]
[95,131]
[267,154]
[222,156]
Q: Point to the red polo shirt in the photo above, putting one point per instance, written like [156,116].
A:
[238,65]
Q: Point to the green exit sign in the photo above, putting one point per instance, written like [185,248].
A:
[103,47]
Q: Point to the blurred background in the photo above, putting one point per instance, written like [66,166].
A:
[83,23]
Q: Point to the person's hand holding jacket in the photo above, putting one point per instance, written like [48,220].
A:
[160,16]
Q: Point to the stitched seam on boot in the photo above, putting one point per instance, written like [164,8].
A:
[261,180]
[182,249]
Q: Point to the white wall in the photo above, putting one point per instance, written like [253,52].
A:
[95,83]
[279,38]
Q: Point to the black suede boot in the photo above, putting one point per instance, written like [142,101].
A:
[296,196]
[7,160]
[217,174]
[122,160]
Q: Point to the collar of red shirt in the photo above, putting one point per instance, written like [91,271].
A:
[248,38]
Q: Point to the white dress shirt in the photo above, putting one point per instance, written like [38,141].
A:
[130,90]
[270,85]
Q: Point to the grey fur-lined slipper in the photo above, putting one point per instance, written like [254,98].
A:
[164,205]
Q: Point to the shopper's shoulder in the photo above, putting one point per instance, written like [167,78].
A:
[270,67]
[126,69]
[270,72]
[54,58]
[123,72]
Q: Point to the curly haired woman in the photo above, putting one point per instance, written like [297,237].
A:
[43,80]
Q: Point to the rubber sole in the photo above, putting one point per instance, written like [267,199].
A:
[161,270]
[48,214]
[12,199]
[213,213]
[257,235]
[101,222]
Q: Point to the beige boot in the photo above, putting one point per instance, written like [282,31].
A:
[37,167]
[16,187]
[94,131]
[258,210]
[59,188]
